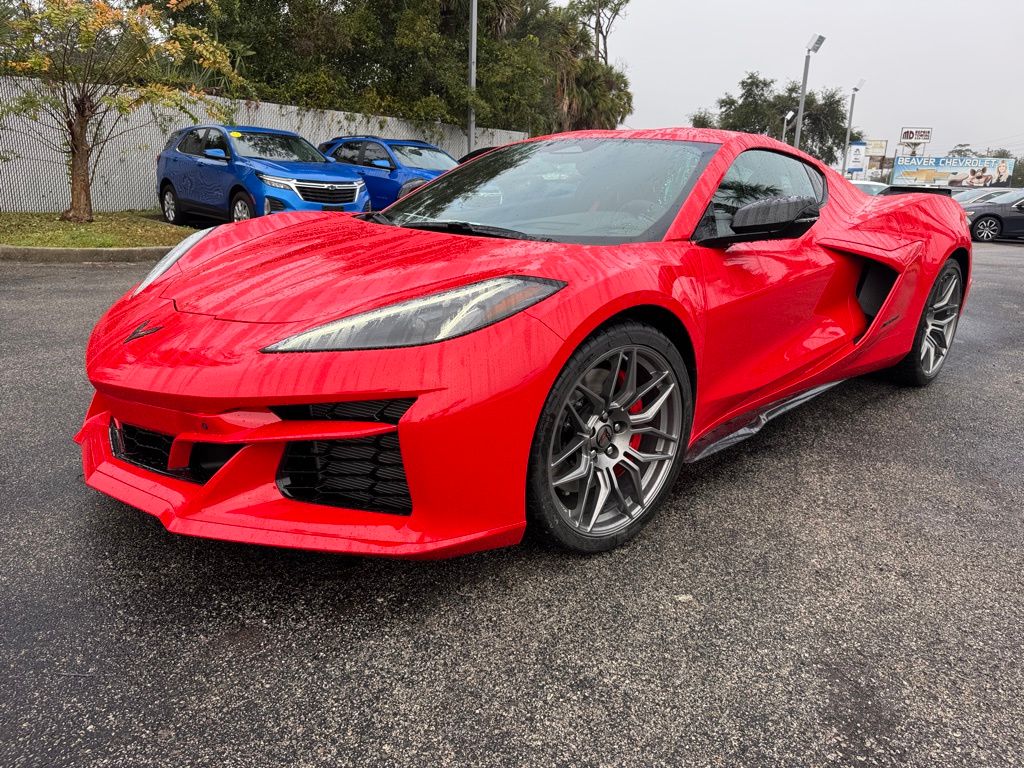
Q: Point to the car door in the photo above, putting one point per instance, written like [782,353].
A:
[187,178]
[1013,218]
[777,307]
[382,184]
[217,177]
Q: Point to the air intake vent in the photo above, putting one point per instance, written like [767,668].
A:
[381,411]
[365,473]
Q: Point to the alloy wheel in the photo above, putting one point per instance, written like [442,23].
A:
[170,207]
[941,318]
[240,211]
[616,439]
[986,229]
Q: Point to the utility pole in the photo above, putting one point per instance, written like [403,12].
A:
[471,123]
[785,123]
[849,127]
[812,47]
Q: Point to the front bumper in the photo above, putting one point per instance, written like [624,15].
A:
[275,200]
[464,442]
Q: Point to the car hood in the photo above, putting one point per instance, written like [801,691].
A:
[425,173]
[311,266]
[306,171]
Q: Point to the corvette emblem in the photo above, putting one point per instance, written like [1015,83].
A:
[143,330]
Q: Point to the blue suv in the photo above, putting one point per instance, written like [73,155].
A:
[391,168]
[237,172]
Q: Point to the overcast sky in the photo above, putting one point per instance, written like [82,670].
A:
[952,65]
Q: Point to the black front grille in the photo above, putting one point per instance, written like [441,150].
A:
[381,411]
[365,473]
[152,450]
[275,204]
[141,447]
[313,193]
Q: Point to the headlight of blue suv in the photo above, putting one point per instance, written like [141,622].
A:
[172,256]
[425,320]
[276,181]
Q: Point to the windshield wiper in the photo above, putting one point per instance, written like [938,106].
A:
[469,228]
[378,217]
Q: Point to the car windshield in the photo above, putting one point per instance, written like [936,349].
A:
[601,191]
[427,158]
[276,146]
[1007,198]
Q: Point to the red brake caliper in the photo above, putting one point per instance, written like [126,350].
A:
[634,441]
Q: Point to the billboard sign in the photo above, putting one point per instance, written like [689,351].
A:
[915,135]
[947,171]
[857,157]
[877,147]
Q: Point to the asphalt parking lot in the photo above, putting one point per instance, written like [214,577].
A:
[843,589]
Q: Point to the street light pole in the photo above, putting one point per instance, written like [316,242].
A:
[471,123]
[812,47]
[785,123]
[849,127]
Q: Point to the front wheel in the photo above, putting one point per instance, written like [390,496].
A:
[986,229]
[935,330]
[242,207]
[611,438]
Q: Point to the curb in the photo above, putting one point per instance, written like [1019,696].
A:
[79,255]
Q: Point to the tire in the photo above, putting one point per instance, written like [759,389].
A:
[242,207]
[631,436]
[986,229]
[939,319]
[170,206]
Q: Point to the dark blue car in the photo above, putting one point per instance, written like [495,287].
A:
[391,168]
[236,172]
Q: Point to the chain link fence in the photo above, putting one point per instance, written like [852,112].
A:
[34,176]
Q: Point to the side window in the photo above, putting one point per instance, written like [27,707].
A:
[758,175]
[375,151]
[192,144]
[217,140]
[172,140]
[348,152]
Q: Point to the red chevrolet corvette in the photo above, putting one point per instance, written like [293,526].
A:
[539,337]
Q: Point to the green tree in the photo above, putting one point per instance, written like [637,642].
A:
[599,16]
[86,65]
[759,107]
[407,58]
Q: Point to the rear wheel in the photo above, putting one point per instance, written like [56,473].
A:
[986,229]
[611,438]
[936,329]
[242,207]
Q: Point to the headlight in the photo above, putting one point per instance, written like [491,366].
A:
[172,256]
[968,214]
[276,181]
[432,318]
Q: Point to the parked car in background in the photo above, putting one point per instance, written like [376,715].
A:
[391,168]
[474,154]
[1000,216]
[978,196]
[236,172]
[870,187]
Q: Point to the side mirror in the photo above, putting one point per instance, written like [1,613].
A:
[330,159]
[381,163]
[215,154]
[774,218]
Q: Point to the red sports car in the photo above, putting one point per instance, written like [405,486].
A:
[539,337]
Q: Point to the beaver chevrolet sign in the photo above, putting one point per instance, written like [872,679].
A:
[949,171]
